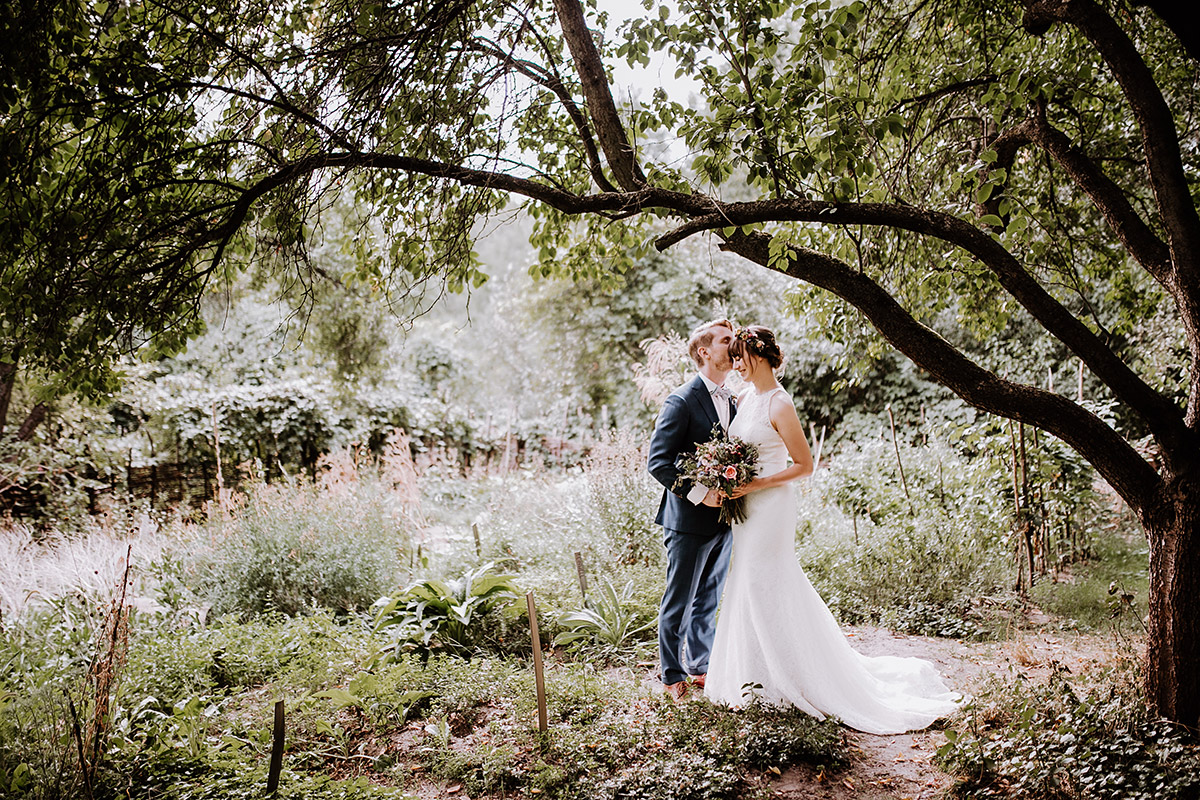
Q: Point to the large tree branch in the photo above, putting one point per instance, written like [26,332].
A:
[1159,413]
[609,129]
[1113,457]
[1164,160]
[553,82]
[1141,242]
[1179,18]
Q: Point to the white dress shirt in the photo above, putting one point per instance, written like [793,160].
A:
[699,491]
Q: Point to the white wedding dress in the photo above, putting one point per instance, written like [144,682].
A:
[776,637]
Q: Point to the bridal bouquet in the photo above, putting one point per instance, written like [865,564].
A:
[723,463]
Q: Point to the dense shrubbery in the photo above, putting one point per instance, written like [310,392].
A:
[1023,740]
[914,557]
[295,548]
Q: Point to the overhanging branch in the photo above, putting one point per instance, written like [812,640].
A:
[1161,415]
[1113,457]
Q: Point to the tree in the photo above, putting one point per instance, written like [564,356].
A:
[939,167]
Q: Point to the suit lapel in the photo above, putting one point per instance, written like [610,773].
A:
[705,401]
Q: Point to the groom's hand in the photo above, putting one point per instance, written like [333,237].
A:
[713,498]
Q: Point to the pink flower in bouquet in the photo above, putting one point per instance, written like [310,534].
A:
[731,472]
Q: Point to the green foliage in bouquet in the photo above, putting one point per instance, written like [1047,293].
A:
[723,463]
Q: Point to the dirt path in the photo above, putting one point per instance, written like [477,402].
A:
[900,767]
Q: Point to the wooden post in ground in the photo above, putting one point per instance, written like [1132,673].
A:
[539,677]
[276,750]
[582,576]
[899,462]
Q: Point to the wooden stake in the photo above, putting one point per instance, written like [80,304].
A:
[899,463]
[478,543]
[818,443]
[276,750]
[217,449]
[582,576]
[535,638]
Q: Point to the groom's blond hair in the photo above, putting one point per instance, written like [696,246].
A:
[702,336]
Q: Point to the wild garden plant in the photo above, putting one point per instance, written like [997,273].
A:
[1022,740]
[443,615]
[295,546]
[624,497]
[608,623]
[915,551]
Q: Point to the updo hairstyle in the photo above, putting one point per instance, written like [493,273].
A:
[758,341]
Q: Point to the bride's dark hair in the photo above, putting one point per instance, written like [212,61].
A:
[757,341]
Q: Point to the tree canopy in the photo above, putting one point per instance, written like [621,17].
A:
[946,169]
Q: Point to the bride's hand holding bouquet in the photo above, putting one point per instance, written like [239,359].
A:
[725,464]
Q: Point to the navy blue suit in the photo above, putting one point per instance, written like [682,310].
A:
[697,543]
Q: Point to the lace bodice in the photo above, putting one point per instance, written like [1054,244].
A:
[753,424]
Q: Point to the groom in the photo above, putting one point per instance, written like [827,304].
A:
[697,543]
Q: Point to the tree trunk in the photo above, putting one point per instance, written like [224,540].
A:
[1173,649]
[8,377]
[32,420]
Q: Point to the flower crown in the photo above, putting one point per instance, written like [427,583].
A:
[751,340]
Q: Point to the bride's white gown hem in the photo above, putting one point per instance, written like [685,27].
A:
[775,633]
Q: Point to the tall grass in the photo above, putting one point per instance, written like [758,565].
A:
[38,567]
[336,544]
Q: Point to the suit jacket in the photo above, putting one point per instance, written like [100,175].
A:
[686,420]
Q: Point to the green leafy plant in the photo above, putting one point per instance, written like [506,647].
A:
[293,547]
[1050,741]
[610,619]
[447,615]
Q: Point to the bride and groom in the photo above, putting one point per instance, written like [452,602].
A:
[775,638]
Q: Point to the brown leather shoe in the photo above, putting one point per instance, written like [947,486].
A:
[677,691]
[698,680]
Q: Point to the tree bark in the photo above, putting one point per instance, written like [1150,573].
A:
[8,377]
[1172,525]
[32,420]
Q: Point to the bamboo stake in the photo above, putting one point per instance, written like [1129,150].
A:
[899,463]
[217,448]
[582,576]
[540,678]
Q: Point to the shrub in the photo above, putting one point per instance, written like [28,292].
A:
[871,549]
[448,615]
[608,623]
[624,497]
[1048,741]
[291,547]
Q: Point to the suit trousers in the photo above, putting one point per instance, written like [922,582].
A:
[696,568]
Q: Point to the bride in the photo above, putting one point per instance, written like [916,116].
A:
[775,637]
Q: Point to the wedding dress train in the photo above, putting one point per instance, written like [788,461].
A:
[775,636]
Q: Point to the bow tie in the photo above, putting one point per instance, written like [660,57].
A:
[721,393]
